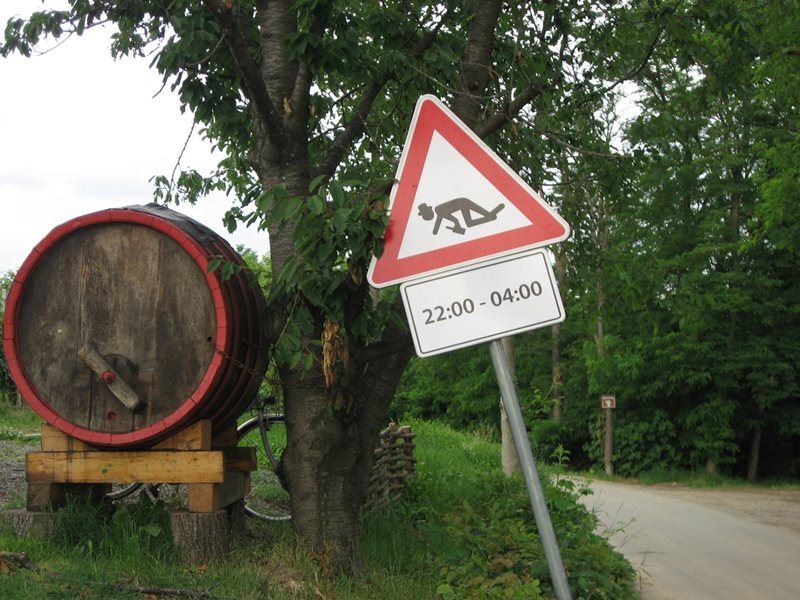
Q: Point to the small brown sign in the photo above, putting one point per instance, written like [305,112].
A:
[608,401]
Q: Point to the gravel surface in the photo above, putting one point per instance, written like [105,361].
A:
[779,507]
[704,544]
[12,473]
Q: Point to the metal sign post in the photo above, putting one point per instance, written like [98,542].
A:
[532,482]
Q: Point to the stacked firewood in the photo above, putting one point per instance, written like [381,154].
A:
[394,463]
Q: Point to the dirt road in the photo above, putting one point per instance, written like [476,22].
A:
[704,544]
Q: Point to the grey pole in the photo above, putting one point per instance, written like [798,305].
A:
[535,493]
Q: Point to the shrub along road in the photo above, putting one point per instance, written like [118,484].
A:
[698,544]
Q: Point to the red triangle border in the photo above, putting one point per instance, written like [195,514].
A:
[431,115]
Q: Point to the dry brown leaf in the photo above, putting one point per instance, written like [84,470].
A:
[334,350]
[6,566]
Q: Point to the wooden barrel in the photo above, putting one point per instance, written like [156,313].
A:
[116,333]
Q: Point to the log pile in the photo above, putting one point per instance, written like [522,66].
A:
[394,463]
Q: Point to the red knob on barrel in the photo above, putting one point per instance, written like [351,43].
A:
[109,377]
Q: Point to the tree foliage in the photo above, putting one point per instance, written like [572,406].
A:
[685,246]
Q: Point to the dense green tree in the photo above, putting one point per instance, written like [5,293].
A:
[309,100]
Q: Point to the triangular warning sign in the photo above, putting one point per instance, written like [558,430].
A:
[456,202]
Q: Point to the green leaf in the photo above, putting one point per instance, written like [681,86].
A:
[337,193]
[286,209]
[340,220]
[214,264]
[316,205]
[308,362]
[265,199]
[294,360]
[315,183]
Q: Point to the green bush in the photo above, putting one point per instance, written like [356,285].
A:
[479,525]
[458,388]
[642,442]
[7,389]
[497,555]
[547,438]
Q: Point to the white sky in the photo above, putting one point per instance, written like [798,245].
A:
[80,132]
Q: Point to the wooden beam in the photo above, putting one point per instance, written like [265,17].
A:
[225,438]
[107,375]
[209,497]
[196,436]
[240,459]
[149,466]
[46,496]
[56,440]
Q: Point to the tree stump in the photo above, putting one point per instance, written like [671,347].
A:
[25,523]
[201,537]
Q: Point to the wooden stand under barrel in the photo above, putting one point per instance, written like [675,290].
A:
[216,470]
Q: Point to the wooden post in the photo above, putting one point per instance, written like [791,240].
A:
[608,403]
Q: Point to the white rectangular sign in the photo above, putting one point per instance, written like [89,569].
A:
[484,302]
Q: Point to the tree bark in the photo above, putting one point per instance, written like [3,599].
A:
[329,456]
[201,537]
[555,365]
[755,451]
[608,442]
[474,70]
[508,450]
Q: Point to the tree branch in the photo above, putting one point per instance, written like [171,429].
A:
[302,83]
[510,110]
[355,127]
[254,85]
[638,69]
[386,348]
[473,75]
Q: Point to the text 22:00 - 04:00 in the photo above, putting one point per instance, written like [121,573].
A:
[467,306]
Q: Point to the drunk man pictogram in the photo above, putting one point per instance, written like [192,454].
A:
[465,206]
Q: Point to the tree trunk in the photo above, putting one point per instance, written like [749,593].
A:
[557,394]
[608,444]
[711,466]
[329,455]
[755,450]
[555,362]
[332,431]
[508,450]
[201,537]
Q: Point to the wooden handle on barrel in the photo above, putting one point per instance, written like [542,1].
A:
[115,383]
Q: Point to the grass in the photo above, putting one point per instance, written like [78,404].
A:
[463,530]
[18,422]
